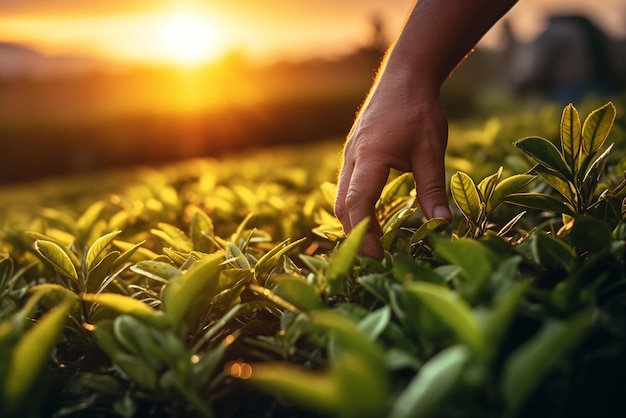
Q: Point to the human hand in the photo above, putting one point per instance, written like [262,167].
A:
[402,125]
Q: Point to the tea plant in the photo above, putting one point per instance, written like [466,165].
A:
[196,286]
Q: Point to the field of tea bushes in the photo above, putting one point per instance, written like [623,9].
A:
[226,287]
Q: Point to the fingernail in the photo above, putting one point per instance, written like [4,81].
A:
[442,212]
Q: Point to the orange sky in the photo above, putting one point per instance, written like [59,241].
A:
[152,30]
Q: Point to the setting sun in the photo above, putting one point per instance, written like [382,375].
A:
[189,39]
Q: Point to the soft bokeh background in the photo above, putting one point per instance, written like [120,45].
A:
[87,86]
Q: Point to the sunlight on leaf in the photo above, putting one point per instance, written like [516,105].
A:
[597,127]
[545,153]
[571,137]
[97,247]
[57,256]
[466,196]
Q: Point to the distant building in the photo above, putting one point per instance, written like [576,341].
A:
[571,58]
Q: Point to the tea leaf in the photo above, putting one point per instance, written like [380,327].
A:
[156,270]
[32,350]
[487,185]
[527,365]
[453,311]
[329,192]
[124,305]
[541,202]
[58,257]
[428,389]
[392,190]
[342,259]
[184,292]
[564,187]
[375,323]
[97,247]
[545,153]
[431,225]
[466,196]
[507,186]
[306,388]
[299,293]
[593,175]
[551,252]
[200,229]
[271,259]
[571,137]
[131,250]
[590,234]
[88,219]
[174,237]
[597,126]
[470,255]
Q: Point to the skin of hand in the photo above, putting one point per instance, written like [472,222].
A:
[402,123]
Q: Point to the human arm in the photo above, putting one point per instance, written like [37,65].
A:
[402,123]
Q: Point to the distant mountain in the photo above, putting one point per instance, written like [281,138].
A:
[19,61]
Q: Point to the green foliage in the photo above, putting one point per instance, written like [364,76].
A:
[199,285]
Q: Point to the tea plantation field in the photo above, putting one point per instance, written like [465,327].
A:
[226,287]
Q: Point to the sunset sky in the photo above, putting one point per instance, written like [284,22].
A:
[190,32]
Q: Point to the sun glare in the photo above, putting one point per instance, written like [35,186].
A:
[189,39]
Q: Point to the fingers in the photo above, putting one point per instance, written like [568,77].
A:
[360,185]
[428,166]
[431,189]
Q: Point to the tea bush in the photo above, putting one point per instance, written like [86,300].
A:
[227,288]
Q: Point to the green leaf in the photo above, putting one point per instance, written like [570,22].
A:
[507,186]
[466,196]
[342,259]
[133,251]
[174,237]
[128,253]
[271,259]
[124,305]
[137,369]
[309,389]
[526,366]
[53,293]
[393,189]
[564,187]
[405,270]
[97,247]
[201,229]
[432,384]
[156,270]
[58,257]
[196,285]
[590,234]
[375,323]
[487,185]
[453,311]
[88,219]
[593,175]
[571,137]
[551,252]
[470,255]
[597,127]
[540,201]
[32,350]
[506,305]
[545,153]
[299,293]
[431,225]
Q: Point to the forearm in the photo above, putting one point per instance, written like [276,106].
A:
[438,34]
